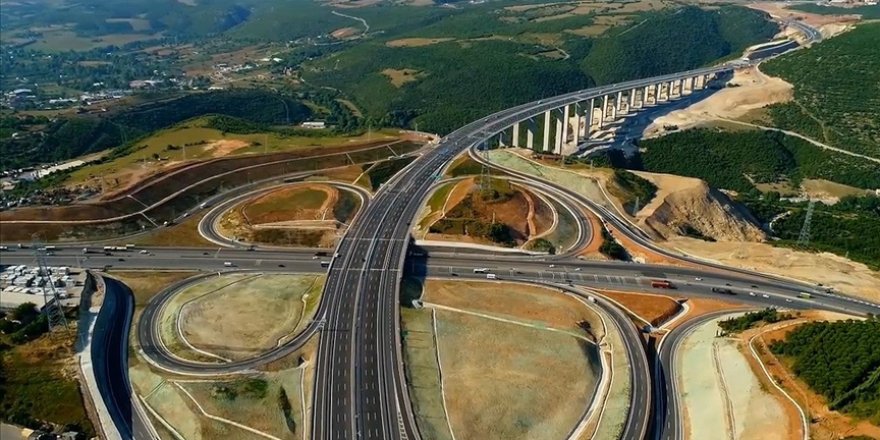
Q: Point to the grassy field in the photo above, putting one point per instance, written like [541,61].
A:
[238,316]
[515,398]
[270,401]
[423,373]
[522,332]
[299,202]
[191,140]
[63,40]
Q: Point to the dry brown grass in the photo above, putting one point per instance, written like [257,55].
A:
[505,381]
[416,42]
[296,202]
[522,302]
[399,77]
[185,233]
[146,284]
[652,308]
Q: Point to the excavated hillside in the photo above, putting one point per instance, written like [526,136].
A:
[688,206]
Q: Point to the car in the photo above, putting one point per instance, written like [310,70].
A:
[788,300]
[754,286]
[764,295]
[315,257]
[552,266]
[751,293]
[577,269]
[204,253]
[144,252]
[280,265]
[698,279]
[228,264]
[122,259]
[727,284]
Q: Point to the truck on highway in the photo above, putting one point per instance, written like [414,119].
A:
[491,276]
[723,291]
[228,264]
[804,295]
[481,270]
[325,264]
[662,284]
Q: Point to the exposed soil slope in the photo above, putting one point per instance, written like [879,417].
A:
[687,206]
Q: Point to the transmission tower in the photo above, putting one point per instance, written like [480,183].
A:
[52,307]
[804,237]
[636,207]
[484,170]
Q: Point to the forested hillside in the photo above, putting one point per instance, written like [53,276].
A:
[490,61]
[738,160]
[670,42]
[837,90]
[840,360]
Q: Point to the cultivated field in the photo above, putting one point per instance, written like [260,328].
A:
[238,316]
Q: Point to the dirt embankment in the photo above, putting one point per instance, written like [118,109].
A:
[688,206]
[754,90]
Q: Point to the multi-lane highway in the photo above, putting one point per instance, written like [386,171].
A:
[360,389]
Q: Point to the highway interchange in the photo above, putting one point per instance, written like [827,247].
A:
[360,387]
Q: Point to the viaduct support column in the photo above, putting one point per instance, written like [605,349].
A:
[530,135]
[514,139]
[632,100]
[602,111]
[546,146]
[589,128]
[557,142]
[565,120]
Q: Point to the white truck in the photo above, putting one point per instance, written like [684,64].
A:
[491,276]
[481,270]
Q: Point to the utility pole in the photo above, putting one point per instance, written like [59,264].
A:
[804,238]
[636,207]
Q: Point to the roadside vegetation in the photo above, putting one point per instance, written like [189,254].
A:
[840,361]
[753,319]
[635,190]
[842,109]
[740,160]
[850,227]
[38,385]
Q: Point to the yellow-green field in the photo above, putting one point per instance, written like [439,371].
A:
[62,40]
[204,143]
[238,316]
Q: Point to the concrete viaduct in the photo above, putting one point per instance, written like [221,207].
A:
[563,128]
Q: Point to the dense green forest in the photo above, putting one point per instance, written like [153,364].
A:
[840,360]
[841,105]
[454,82]
[850,227]
[737,160]
[657,47]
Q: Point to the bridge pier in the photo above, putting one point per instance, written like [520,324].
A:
[546,146]
[514,141]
